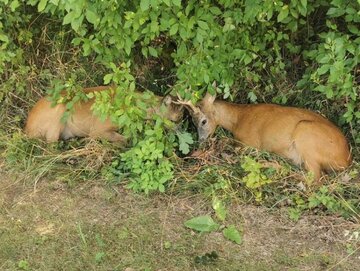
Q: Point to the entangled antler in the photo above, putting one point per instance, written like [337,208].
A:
[188,104]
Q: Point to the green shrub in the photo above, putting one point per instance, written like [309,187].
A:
[256,50]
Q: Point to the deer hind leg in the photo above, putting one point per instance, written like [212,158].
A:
[306,143]
[53,134]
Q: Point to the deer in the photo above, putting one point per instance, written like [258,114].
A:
[45,121]
[304,137]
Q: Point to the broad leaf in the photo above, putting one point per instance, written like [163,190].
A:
[232,234]
[283,13]
[42,5]
[202,224]
[220,209]
[185,140]
[144,5]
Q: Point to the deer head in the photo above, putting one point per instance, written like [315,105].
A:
[203,115]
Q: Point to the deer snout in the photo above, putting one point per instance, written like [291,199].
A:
[203,135]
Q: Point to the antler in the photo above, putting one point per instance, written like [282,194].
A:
[188,104]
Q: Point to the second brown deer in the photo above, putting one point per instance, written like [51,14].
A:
[44,120]
[304,137]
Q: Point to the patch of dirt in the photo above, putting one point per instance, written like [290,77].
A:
[148,232]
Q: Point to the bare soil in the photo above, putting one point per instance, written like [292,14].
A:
[96,227]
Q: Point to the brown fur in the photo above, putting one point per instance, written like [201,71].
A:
[304,137]
[44,121]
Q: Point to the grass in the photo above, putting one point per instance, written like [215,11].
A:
[99,227]
[57,213]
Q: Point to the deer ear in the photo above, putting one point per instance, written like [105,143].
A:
[209,99]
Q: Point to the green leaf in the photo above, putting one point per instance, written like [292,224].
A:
[303,3]
[353,29]
[42,5]
[14,5]
[215,10]
[69,17]
[232,234]
[173,30]
[203,25]
[183,33]
[202,224]
[185,140]
[99,257]
[4,38]
[108,78]
[91,16]
[152,51]
[220,209]
[323,69]
[24,265]
[177,3]
[294,214]
[283,13]
[206,78]
[144,5]
[252,96]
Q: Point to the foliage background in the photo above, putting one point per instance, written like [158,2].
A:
[298,52]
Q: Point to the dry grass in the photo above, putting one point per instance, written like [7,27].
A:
[96,227]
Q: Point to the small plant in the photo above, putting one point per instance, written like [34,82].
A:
[255,178]
[329,200]
[146,164]
[207,258]
[207,224]
[24,265]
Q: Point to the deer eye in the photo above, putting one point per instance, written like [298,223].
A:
[203,122]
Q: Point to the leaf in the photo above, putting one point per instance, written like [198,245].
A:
[303,3]
[206,78]
[353,29]
[14,5]
[144,5]
[283,13]
[183,33]
[152,51]
[177,3]
[252,96]
[232,234]
[91,16]
[42,5]
[323,69]
[174,28]
[202,224]
[185,140]
[220,209]
[203,25]
[108,78]
[167,2]
[4,38]
[69,17]
[215,10]
[99,257]
[294,214]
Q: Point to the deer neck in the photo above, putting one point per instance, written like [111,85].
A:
[227,115]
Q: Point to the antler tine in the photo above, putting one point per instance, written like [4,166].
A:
[187,104]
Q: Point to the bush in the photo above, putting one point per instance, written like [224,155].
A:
[256,50]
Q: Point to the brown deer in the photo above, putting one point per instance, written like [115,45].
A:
[44,120]
[304,137]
